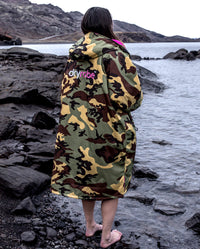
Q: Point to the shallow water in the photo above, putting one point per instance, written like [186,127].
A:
[174,116]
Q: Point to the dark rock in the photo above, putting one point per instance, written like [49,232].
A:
[23,51]
[11,160]
[149,80]
[8,128]
[194,223]
[141,198]
[34,97]
[143,172]
[9,40]
[161,142]
[51,233]
[136,58]
[25,206]
[26,181]
[43,121]
[165,208]
[182,54]
[190,56]
[28,237]
[81,243]
[117,223]
[70,236]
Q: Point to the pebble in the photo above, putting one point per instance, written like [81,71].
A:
[28,236]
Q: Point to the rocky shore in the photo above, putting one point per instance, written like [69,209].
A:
[181,54]
[32,217]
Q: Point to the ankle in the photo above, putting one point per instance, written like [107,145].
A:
[106,235]
[91,224]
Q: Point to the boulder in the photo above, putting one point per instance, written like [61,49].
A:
[161,142]
[21,181]
[28,237]
[144,172]
[194,223]
[182,54]
[166,208]
[149,80]
[43,121]
[26,206]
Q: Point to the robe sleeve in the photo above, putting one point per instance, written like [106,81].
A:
[123,82]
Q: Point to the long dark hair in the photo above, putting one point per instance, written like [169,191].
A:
[98,20]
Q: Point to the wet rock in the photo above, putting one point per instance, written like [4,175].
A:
[136,57]
[194,223]
[182,54]
[8,128]
[25,206]
[144,172]
[141,198]
[43,121]
[51,233]
[81,243]
[23,51]
[166,208]
[161,142]
[26,180]
[149,80]
[28,237]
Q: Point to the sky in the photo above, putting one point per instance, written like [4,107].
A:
[167,17]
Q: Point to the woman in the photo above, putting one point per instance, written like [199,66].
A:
[96,140]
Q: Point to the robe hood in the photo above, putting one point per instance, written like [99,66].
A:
[93,45]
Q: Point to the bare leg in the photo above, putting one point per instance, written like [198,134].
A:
[108,209]
[91,226]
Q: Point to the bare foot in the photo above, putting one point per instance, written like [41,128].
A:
[92,230]
[114,237]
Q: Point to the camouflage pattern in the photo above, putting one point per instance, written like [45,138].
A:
[96,141]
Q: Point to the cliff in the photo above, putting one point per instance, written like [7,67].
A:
[45,22]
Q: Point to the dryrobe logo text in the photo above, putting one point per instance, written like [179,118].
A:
[79,74]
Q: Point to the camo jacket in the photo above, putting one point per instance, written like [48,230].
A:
[96,140]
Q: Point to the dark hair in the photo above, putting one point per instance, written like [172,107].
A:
[99,20]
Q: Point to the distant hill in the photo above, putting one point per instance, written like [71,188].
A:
[48,23]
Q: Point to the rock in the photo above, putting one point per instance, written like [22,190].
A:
[143,172]
[23,51]
[194,223]
[8,40]
[28,237]
[25,206]
[22,220]
[136,58]
[51,233]
[149,80]
[166,208]
[182,54]
[8,127]
[26,180]
[70,236]
[141,198]
[161,142]
[43,121]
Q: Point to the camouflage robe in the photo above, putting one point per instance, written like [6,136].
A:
[96,142]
